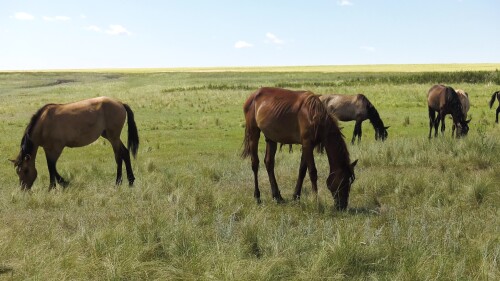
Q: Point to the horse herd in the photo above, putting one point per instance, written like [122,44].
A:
[283,116]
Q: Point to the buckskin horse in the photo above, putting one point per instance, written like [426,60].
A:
[296,117]
[445,100]
[55,126]
[492,101]
[358,108]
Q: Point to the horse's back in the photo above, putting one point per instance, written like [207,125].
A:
[81,123]
[436,97]
[278,112]
[346,107]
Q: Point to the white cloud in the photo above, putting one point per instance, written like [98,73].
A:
[23,16]
[274,39]
[368,48]
[93,28]
[83,16]
[344,3]
[56,18]
[116,29]
[242,44]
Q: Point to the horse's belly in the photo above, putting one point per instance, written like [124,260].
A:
[282,137]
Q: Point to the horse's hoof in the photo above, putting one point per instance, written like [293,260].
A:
[279,200]
[258,201]
[296,197]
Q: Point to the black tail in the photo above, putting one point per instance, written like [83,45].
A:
[133,135]
[492,101]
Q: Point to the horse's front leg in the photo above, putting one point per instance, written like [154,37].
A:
[271,148]
[52,154]
[300,180]
[308,154]
[443,126]
[360,132]
[498,111]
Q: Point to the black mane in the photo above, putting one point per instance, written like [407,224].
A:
[26,142]
[373,116]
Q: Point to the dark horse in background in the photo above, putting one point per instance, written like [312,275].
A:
[492,101]
[296,117]
[358,108]
[444,100]
[55,126]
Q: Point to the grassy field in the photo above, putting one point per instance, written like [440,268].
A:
[418,210]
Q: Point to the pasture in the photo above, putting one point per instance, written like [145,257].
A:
[418,209]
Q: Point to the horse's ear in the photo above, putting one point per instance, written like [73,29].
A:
[12,161]
[468,121]
[387,127]
[353,164]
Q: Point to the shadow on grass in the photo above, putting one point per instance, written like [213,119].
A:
[363,211]
[6,269]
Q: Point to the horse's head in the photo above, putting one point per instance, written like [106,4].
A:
[463,128]
[381,133]
[25,169]
[340,183]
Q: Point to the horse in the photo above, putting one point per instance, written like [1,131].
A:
[56,126]
[355,107]
[492,101]
[445,100]
[464,101]
[296,117]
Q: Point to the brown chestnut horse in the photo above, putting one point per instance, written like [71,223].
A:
[492,101]
[358,108]
[445,100]
[55,126]
[297,117]
[464,101]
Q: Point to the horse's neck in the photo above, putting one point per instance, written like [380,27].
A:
[374,118]
[336,151]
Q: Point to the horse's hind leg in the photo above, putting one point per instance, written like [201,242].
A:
[432,117]
[117,149]
[254,136]
[498,111]
[271,148]
[128,166]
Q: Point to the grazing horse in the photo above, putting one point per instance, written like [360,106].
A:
[356,107]
[297,117]
[55,126]
[492,101]
[445,100]
[464,101]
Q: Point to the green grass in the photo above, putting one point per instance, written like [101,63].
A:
[418,209]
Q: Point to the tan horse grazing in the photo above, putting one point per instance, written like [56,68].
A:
[297,117]
[358,108]
[445,100]
[492,101]
[464,101]
[55,126]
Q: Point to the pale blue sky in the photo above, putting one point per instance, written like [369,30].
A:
[62,34]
